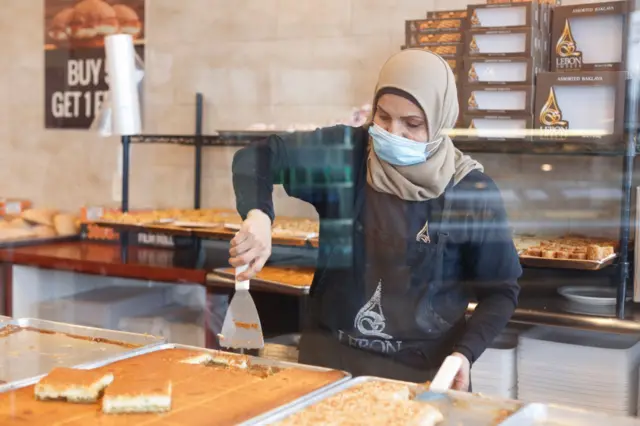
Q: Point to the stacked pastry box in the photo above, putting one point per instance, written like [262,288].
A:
[441,33]
[583,95]
[506,45]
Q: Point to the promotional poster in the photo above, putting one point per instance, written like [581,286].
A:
[76,82]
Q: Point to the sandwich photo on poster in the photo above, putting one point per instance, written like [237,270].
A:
[76,83]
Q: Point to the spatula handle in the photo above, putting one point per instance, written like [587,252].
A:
[446,374]
[241,285]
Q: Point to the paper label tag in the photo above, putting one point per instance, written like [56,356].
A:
[13,208]
[95,213]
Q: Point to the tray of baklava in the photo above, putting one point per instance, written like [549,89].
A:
[290,278]
[209,223]
[377,401]
[167,385]
[568,252]
[169,221]
[286,231]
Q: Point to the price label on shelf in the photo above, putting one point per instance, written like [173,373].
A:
[95,213]
[13,208]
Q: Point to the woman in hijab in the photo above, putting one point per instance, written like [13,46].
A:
[411,230]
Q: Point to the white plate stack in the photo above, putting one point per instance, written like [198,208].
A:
[494,373]
[584,369]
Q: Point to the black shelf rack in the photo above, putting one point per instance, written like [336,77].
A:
[625,149]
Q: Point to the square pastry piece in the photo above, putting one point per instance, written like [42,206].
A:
[73,385]
[148,395]
[225,360]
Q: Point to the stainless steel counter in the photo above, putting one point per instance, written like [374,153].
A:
[554,310]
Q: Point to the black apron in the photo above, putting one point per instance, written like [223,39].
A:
[384,314]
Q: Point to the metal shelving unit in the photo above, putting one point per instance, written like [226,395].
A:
[625,149]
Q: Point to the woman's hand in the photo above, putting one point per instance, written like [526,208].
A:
[252,244]
[462,380]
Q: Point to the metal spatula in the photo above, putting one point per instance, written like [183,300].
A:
[241,328]
[442,381]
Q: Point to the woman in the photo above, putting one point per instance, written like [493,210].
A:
[426,231]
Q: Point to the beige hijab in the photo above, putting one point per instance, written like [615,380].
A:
[428,78]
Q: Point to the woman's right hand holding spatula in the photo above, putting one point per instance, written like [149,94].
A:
[252,244]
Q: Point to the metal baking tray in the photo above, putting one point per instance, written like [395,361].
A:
[28,354]
[260,420]
[265,284]
[227,234]
[554,415]
[583,265]
[458,408]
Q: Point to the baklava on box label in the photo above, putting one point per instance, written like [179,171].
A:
[585,104]
[446,50]
[589,37]
[419,39]
[447,14]
[432,25]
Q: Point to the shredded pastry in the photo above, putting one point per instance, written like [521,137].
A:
[371,403]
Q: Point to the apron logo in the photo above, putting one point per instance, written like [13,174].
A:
[423,235]
[370,320]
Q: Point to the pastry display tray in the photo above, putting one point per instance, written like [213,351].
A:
[214,233]
[30,348]
[268,285]
[553,415]
[584,265]
[458,408]
[260,420]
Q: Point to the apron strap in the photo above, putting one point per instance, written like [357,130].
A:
[446,210]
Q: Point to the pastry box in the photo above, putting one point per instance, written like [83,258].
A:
[492,42]
[447,14]
[583,104]
[500,70]
[498,126]
[509,99]
[504,15]
[589,37]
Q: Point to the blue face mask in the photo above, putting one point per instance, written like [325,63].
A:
[397,150]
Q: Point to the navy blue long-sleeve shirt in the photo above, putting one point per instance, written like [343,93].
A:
[324,168]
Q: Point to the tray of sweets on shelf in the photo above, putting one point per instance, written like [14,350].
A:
[387,401]
[554,415]
[291,234]
[277,277]
[208,387]
[32,347]
[571,252]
